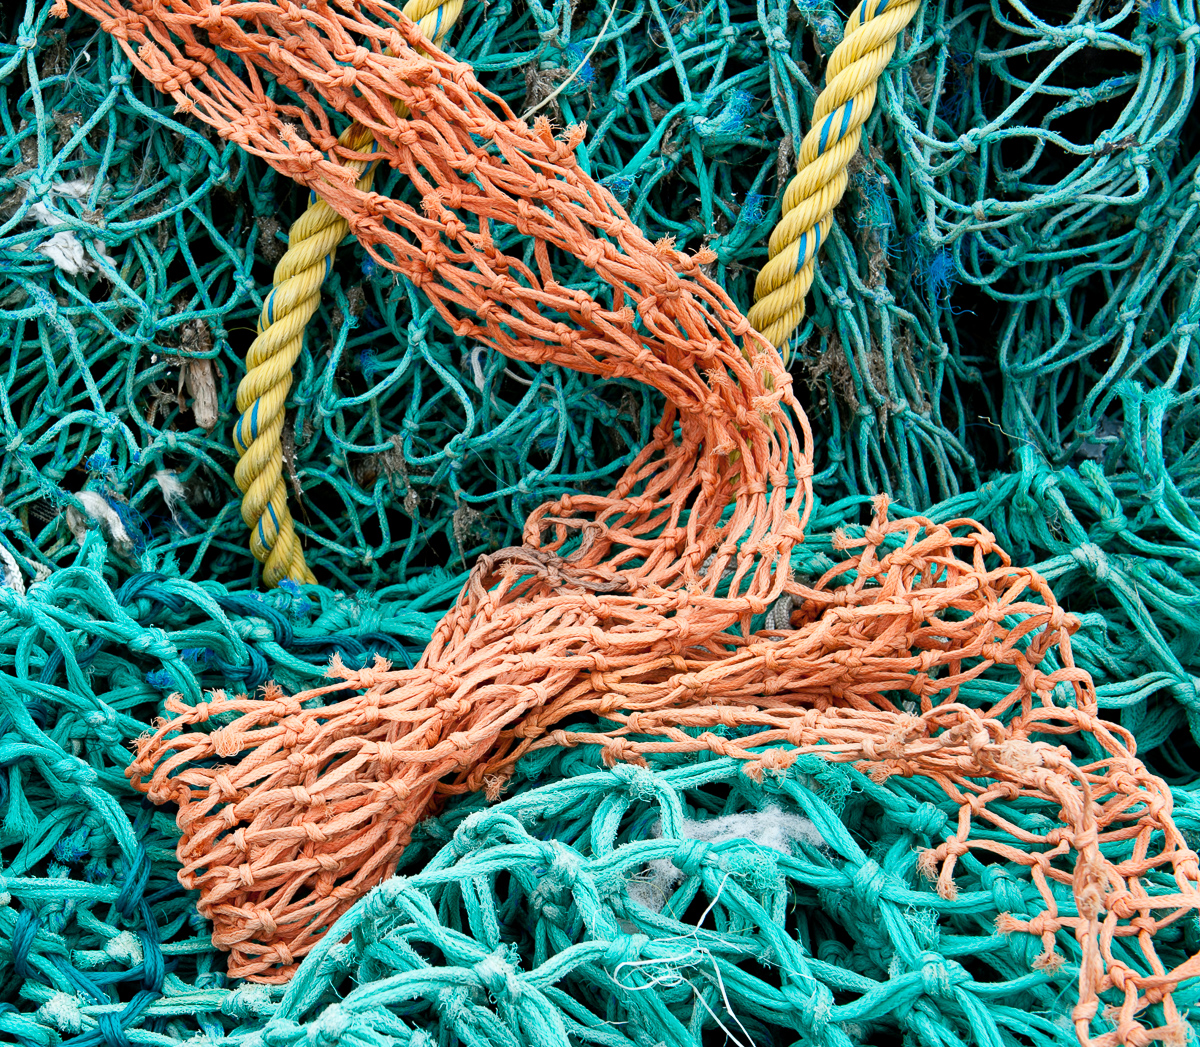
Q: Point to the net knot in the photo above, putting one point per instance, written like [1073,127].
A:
[226,741]
[370,676]
[443,683]
[280,954]
[499,977]
[869,882]
[617,751]
[1094,559]
[226,790]
[1007,893]
[314,833]
[155,643]
[939,976]
[692,855]
[392,791]
[212,17]
[282,1032]
[625,949]
[875,535]
[640,781]
[777,761]
[452,706]
[927,820]
[264,922]
[333,1026]
[565,868]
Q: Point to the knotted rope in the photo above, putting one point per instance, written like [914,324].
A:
[638,609]
[851,82]
[312,241]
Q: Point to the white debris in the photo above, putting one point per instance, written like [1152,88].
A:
[12,572]
[66,252]
[125,948]
[104,514]
[64,248]
[770,827]
[80,189]
[62,1011]
[201,382]
[172,492]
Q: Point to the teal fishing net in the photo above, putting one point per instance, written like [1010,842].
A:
[1003,326]
[611,906]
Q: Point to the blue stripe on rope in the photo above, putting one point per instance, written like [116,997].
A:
[825,133]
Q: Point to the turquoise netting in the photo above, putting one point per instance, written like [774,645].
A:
[1004,326]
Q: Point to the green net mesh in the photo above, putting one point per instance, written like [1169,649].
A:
[1003,326]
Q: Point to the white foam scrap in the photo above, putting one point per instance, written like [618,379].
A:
[248,1001]
[172,491]
[42,214]
[79,189]
[770,827]
[474,362]
[12,573]
[62,1011]
[104,514]
[64,248]
[66,252]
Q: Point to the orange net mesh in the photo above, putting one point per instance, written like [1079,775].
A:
[636,607]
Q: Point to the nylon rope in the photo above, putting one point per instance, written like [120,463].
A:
[851,84]
[262,393]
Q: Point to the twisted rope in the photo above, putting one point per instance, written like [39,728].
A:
[302,270]
[842,108]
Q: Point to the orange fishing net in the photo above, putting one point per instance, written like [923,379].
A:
[637,607]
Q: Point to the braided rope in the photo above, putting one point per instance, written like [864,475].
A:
[841,110]
[296,295]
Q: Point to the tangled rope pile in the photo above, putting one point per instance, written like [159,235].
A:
[97,937]
[296,295]
[654,603]
[122,380]
[405,446]
[408,430]
[635,904]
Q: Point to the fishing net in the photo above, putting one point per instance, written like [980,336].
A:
[1026,180]
[888,351]
[412,450]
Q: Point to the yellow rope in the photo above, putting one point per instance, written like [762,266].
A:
[296,295]
[842,108]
